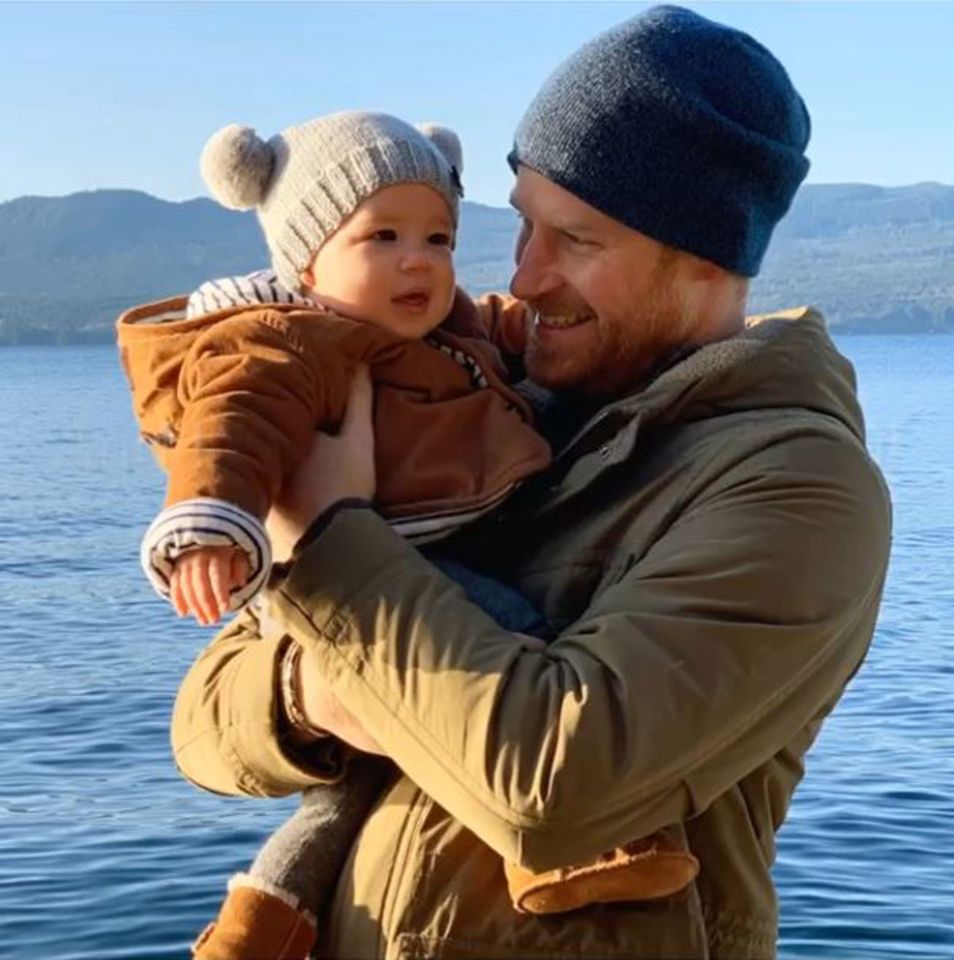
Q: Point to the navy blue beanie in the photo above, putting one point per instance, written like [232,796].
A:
[681,128]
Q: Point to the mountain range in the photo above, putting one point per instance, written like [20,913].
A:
[874,259]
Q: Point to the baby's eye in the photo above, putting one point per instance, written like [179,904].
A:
[388,236]
[441,239]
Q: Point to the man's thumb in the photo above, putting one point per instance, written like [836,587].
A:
[360,400]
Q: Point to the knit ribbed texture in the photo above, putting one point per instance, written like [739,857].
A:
[684,129]
[305,855]
[306,181]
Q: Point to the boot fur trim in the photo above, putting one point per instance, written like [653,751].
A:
[258,883]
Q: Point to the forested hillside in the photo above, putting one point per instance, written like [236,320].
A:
[875,259]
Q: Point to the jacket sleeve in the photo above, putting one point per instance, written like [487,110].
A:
[227,734]
[711,653]
[252,392]
[505,318]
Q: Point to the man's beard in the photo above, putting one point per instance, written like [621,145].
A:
[621,350]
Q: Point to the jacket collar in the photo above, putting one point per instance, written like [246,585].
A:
[779,360]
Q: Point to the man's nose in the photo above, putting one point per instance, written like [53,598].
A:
[535,274]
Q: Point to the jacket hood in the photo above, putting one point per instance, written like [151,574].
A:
[784,359]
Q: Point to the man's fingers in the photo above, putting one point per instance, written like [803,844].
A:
[335,468]
[360,400]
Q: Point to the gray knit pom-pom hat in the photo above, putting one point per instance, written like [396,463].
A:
[306,181]
[682,128]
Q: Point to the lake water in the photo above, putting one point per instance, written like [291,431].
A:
[106,853]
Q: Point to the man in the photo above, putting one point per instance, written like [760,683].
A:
[710,544]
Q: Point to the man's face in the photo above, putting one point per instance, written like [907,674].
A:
[608,301]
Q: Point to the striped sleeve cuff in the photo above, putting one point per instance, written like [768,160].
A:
[261,287]
[205,522]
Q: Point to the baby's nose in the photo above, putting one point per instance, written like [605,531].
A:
[418,258]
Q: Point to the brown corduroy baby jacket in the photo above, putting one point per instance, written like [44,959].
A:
[229,403]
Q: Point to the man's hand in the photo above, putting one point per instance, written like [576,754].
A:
[323,709]
[337,468]
[312,694]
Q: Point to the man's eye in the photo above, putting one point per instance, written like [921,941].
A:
[388,236]
[583,243]
[440,239]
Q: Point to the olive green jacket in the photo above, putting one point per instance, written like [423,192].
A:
[714,549]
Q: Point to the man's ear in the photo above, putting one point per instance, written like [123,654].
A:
[308,277]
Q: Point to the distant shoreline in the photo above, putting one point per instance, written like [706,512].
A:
[107,338]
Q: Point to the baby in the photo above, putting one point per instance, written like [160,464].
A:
[360,214]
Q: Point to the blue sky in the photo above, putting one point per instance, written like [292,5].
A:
[125,94]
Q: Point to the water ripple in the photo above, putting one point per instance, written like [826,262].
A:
[107,854]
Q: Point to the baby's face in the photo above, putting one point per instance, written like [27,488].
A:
[390,263]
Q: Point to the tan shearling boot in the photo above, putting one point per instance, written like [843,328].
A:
[257,923]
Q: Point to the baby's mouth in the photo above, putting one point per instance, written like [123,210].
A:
[415,299]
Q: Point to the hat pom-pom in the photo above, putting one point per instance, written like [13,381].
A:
[447,142]
[236,165]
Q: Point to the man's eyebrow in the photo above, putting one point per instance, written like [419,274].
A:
[576,228]
[571,227]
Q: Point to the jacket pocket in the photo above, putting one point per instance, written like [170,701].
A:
[450,902]
[674,945]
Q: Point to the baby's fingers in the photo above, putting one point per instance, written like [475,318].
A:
[220,570]
[239,571]
[190,601]
[205,605]
[177,594]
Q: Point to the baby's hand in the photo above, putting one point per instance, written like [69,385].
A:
[202,581]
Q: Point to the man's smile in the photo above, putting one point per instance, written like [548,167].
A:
[555,321]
